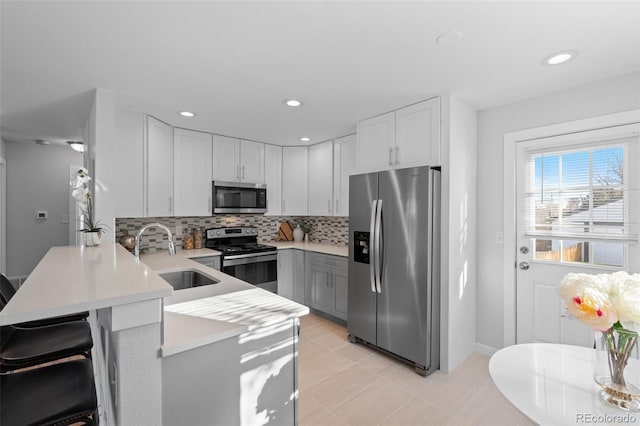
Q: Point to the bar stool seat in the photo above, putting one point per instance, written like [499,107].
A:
[60,394]
[21,348]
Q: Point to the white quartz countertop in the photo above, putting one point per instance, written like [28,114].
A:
[324,248]
[73,279]
[202,315]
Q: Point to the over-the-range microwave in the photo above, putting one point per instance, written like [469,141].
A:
[239,197]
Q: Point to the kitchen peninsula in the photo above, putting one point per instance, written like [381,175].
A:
[235,344]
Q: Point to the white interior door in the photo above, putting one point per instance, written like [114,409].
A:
[578,210]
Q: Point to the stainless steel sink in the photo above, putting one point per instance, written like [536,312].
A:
[188,278]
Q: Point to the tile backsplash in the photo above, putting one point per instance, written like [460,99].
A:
[321,229]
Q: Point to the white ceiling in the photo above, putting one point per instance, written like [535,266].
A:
[234,62]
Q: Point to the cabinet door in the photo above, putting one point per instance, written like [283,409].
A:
[344,165]
[226,159]
[322,290]
[298,276]
[273,178]
[129,179]
[294,180]
[375,142]
[251,162]
[340,282]
[321,179]
[418,135]
[192,173]
[159,168]
[285,273]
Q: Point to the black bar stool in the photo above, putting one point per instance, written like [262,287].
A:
[58,394]
[26,347]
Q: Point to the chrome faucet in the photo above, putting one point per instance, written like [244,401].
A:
[172,246]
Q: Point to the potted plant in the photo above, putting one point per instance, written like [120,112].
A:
[91,228]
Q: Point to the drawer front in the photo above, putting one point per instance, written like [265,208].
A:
[328,260]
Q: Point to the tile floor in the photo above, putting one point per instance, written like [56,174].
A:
[348,384]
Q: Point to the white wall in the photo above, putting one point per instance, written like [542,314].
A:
[37,179]
[458,330]
[604,97]
[102,155]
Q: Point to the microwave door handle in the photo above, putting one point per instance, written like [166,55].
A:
[379,248]
[372,255]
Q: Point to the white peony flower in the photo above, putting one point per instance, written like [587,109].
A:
[626,301]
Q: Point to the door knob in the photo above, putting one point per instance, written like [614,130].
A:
[523,265]
[524,250]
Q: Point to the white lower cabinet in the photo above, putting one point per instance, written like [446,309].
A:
[327,284]
[291,274]
[285,273]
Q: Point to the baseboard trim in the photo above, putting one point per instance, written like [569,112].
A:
[486,350]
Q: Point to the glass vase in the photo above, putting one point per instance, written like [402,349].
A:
[617,369]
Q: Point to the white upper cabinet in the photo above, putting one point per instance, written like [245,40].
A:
[192,173]
[294,180]
[251,161]
[321,179]
[375,143]
[418,135]
[407,137]
[344,165]
[273,178]
[159,168]
[129,179]
[226,159]
[236,160]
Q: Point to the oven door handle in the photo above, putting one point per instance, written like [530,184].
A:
[242,259]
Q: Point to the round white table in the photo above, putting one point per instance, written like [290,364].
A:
[552,384]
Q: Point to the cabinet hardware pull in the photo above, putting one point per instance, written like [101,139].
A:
[337,205]
[242,172]
[170,204]
[238,172]
[391,156]
[397,154]
[329,206]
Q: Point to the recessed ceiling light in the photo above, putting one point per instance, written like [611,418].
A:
[292,102]
[187,114]
[305,139]
[76,145]
[560,57]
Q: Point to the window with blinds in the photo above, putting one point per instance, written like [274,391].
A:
[581,201]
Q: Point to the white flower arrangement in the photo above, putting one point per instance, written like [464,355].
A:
[603,301]
[84,201]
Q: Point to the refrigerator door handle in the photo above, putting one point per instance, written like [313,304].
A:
[378,250]
[372,256]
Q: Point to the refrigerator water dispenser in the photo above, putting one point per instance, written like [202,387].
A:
[361,247]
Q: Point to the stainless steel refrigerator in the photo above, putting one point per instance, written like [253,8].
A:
[394,264]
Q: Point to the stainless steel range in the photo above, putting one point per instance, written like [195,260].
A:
[243,257]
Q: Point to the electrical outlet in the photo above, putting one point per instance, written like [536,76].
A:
[65,218]
[499,238]
[178,229]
